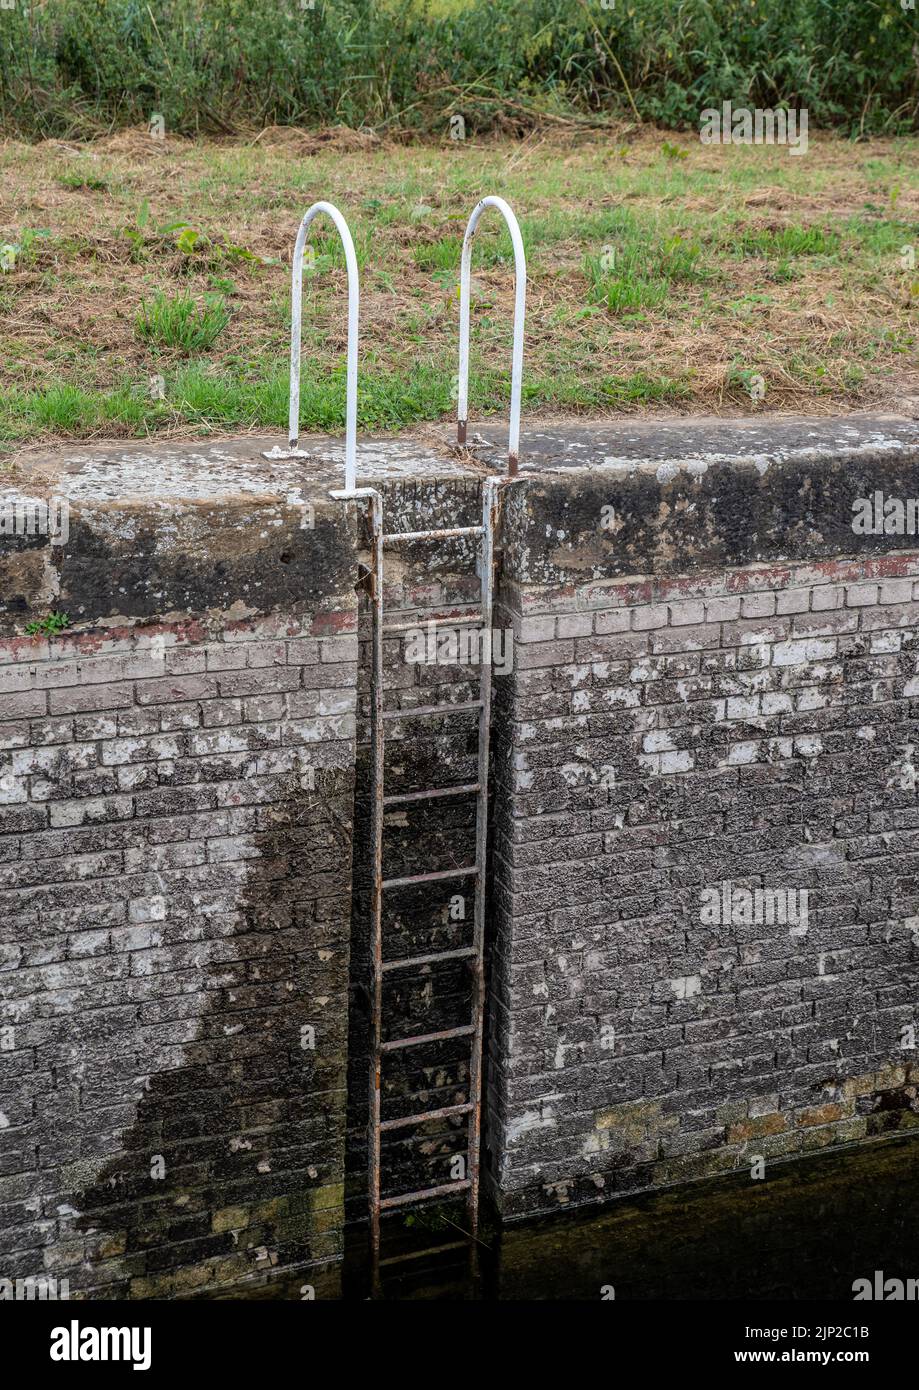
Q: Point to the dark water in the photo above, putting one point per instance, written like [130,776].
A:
[806,1231]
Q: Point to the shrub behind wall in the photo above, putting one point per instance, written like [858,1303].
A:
[71,67]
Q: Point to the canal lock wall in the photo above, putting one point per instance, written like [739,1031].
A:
[703,905]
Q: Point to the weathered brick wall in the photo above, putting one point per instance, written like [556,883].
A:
[722,687]
[176,797]
[664,733]
[174,909]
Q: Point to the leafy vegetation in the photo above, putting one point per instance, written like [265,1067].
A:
[74,67]
[51,625]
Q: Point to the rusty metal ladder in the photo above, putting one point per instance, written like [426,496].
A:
[474,953]
[484,534]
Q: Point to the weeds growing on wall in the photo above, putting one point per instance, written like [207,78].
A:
[75,67]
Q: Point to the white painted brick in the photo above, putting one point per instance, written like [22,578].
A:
[690,611]
[861,595]
[575,625]
[681,761]
[722,610]
[809,745]
[741,753]
[827,596]
[649,615]
[808,649]
[812,697]
[686,986]
[743,707]
[542,629]
[611,620]
[792,600]
[897,591]
[757,605]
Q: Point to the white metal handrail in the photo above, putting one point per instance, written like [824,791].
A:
[296,317]
[520,293]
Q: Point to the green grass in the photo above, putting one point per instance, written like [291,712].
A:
[652,280]
[789,241]
[178,322]
[633,275]
[444,254]
[199,396]
[92,183]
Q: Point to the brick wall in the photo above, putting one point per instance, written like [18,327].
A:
[721,690]
[174,910]
[660,736]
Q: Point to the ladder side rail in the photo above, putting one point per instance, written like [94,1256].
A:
[520,294]
[490,492]
[376,892]
[296,318]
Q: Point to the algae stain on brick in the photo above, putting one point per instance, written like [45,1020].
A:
[241,1120]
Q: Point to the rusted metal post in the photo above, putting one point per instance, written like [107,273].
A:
[376,890]
[490,492]
[520,291]
[375,500]
[376,894]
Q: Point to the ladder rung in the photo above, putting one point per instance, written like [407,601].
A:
[419,1254]
[448,1188]
[427,796]
[461,620]
[404,961]
[394,1043]
[430,878]
[446,534]
[431,709]
[441,1114]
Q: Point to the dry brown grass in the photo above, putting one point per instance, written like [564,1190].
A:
[827,332]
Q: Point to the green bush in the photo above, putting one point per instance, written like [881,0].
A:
[71,67]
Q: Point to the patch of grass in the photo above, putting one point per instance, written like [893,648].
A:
[882,238]
[444,254]
[636,277]
[179,322]
[200,396]
[621,294]
[789,241]
[84,182]
[75,411]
